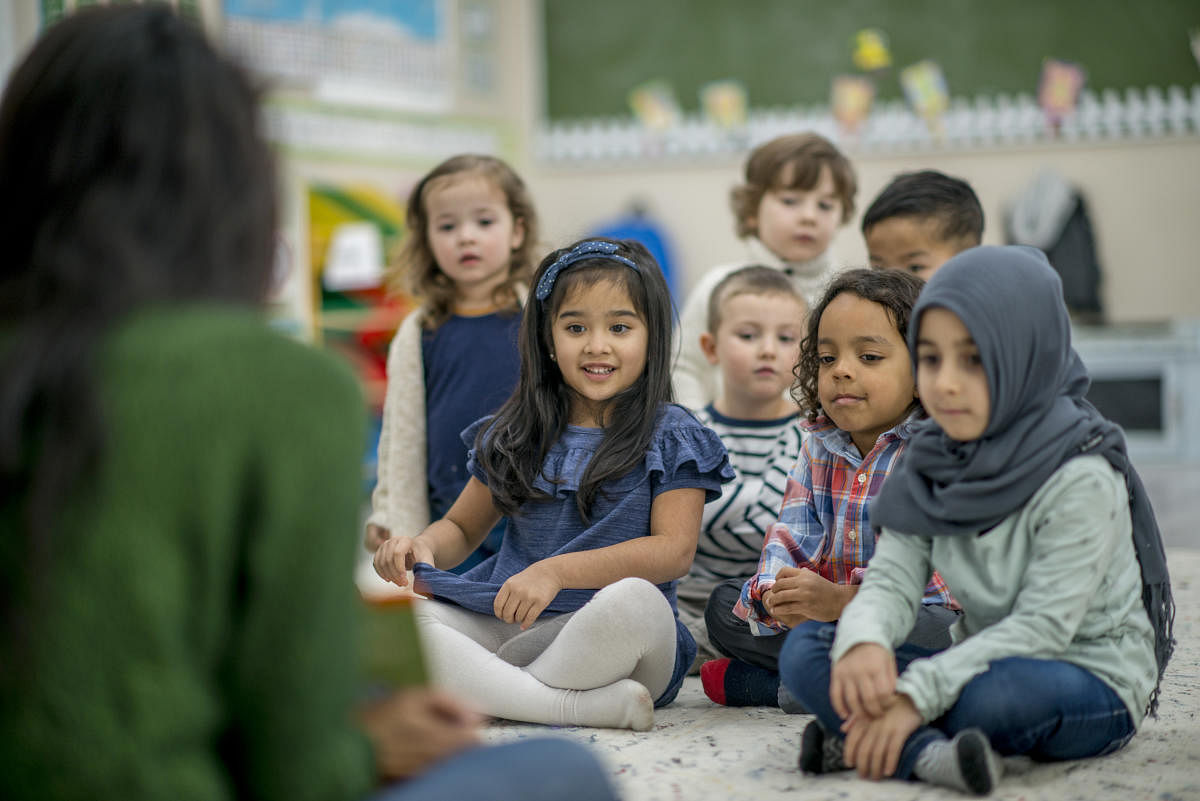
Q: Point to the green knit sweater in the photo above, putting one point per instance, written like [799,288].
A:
[198,637]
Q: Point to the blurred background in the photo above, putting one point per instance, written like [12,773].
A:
[636,116]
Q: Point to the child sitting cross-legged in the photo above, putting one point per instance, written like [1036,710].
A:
[755,322]
[1022,494]
[855,380]
[603,481]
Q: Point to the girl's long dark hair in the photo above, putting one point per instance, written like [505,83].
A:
[134,174]
[513,448]
[895,290]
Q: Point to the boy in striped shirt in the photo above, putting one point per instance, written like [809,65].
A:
[755,321]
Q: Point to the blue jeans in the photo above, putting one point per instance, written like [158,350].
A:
[545,769]
[1043,708]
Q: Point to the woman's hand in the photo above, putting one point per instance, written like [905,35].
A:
[376,536]
[863,682]
[527,594]
[397,555]
[416,728]
[873,745]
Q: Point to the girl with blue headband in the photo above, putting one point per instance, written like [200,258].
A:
[603,480]
[1021,495]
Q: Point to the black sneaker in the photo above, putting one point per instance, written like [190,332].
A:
[820,752]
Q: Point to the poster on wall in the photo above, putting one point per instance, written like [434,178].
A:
[382,53]
[724,103]
[871,51]
[925,88]
[851,97]
[354,231]
[655,105]
[1059,89]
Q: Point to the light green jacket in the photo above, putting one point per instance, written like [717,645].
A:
[1057,579]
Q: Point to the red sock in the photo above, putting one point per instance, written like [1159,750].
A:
[712,678]
[732,682]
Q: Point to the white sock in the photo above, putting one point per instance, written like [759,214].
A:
[624,704]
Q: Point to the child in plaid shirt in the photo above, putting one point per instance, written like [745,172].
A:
[855,381]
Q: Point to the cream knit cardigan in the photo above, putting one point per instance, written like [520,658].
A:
[400,502]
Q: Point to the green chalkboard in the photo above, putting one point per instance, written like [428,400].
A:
[787,51]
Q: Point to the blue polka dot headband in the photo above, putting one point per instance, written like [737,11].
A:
[591,249]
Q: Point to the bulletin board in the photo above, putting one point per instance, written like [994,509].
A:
[787,51]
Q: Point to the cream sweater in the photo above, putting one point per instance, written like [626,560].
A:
[400,502]
[698,383]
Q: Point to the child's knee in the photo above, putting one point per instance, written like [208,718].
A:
[806,642]
[430,612]
[636,594]
[632,603]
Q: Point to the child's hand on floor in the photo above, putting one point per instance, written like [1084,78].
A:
[873,744]
[527,594]
[863,682]
[800,595]
[397,555]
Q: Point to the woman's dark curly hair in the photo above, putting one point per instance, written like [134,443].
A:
[895,290]
[136,175]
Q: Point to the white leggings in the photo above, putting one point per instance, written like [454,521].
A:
[600,666]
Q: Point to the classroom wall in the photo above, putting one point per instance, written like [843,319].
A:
[784,52]
[1143,197]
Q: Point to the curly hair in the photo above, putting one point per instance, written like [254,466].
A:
[415,268]
[896,291]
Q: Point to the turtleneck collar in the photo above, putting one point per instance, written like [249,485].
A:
[813,268]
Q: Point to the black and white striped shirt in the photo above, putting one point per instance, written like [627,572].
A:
[762,453]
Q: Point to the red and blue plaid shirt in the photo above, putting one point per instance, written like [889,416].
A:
[823,523]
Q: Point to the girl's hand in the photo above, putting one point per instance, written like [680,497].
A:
[873,744]
[416,728]
[397,555]
[863,682]
[800,595]
[526,595]
[375,537]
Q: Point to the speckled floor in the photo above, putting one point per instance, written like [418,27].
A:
[698,750]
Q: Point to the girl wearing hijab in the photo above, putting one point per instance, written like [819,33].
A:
[1020,494]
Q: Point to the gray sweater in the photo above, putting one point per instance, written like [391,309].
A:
[1057,579]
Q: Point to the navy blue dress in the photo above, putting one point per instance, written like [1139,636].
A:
[471,367]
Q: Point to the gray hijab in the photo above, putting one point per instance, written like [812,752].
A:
[1010,299]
